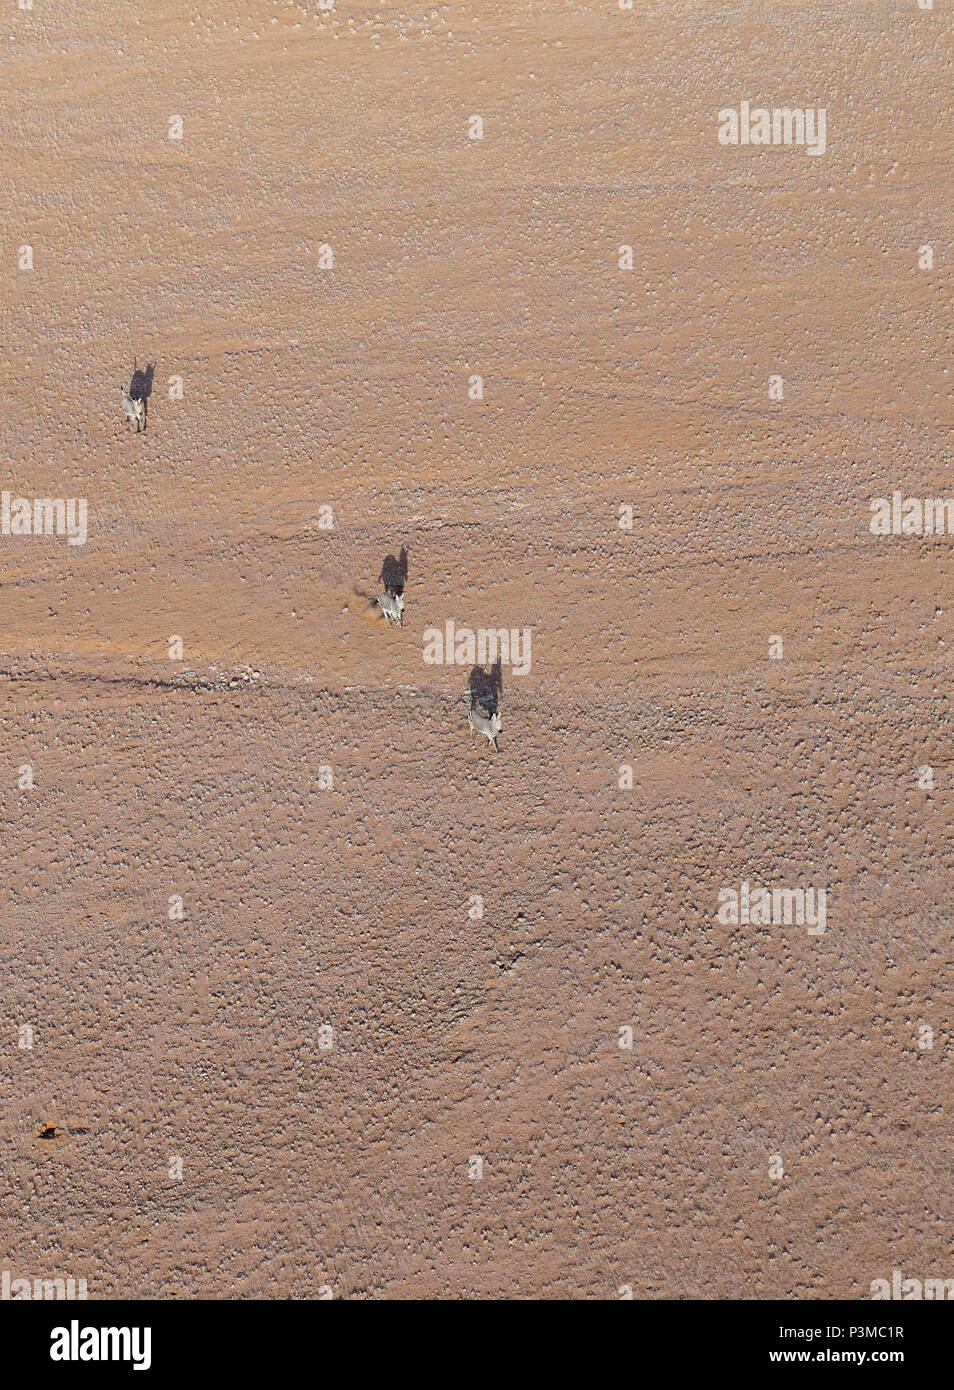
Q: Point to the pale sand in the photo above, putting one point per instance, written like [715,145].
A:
[454,1037]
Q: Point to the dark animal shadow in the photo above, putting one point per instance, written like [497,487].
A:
[140,387]
[394,573]
[486,687]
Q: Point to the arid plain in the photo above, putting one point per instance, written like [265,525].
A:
[781,1124]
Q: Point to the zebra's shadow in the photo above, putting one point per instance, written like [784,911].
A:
[486,687]
[394,572]
[140,387]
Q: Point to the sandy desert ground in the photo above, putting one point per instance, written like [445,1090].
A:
[328,1035]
